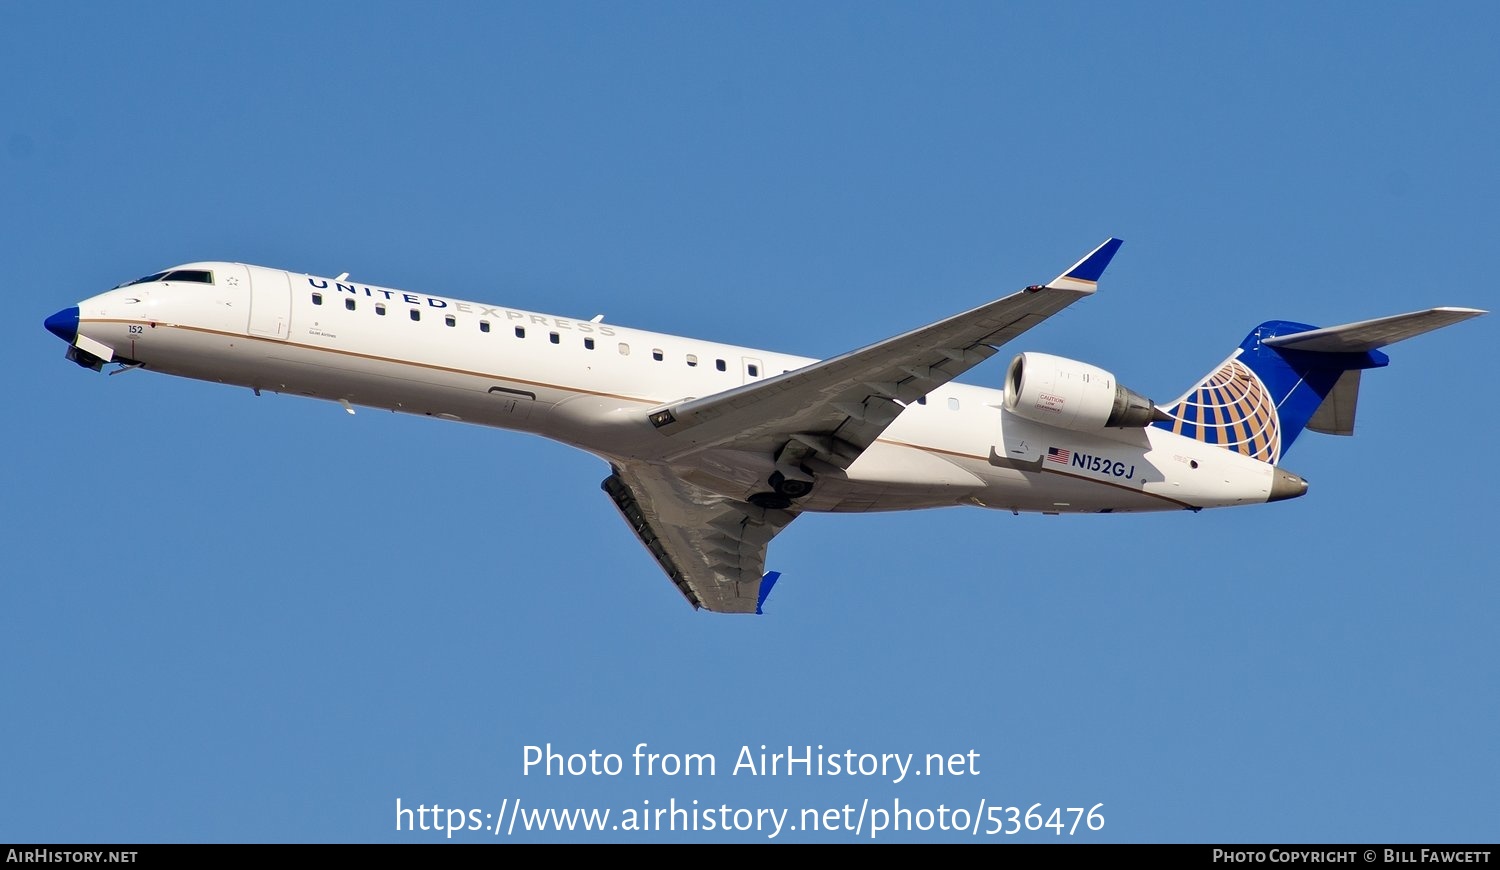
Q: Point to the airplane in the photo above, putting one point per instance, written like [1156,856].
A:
[715,449]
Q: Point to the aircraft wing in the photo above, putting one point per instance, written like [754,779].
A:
[835,409]
[713,548]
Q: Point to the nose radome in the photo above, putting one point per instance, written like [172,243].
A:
[64,324]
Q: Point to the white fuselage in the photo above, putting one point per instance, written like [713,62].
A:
[591,385]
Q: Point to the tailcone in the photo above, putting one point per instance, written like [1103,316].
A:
[1285,485]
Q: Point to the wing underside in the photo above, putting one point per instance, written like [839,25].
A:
[711,547]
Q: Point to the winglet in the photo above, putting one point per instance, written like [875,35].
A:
[767,581]
[1084,276]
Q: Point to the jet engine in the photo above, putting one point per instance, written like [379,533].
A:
[1072,395]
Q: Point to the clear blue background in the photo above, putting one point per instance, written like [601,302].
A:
[236,619]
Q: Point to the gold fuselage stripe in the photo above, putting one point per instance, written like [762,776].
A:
[578,390]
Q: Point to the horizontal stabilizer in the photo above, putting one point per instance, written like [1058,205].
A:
[1371,334]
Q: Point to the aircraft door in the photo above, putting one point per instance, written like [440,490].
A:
[270,303]
[231,301]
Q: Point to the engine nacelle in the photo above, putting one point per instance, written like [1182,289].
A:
[1062,392]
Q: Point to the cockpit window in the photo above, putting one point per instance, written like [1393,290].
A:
[146,280]
[196,276]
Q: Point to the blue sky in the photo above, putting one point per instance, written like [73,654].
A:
[231,619]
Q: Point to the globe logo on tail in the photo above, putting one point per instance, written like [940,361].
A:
[1231,408]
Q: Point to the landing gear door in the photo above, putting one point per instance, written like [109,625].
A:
[270,303]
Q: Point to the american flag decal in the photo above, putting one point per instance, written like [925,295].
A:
[1057,454]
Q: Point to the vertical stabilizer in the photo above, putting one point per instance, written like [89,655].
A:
[1286,377]
[1260,399]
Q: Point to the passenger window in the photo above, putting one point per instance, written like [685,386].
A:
[719,364]
[416,314]
[588,343]
[451,320]
[520,332]
[317,298]
[953,403]
[380,308]
[624,349]
[484,326]
[656,354]
[922,401]
[692,359]
[554,338]
[754,371]
[349,303]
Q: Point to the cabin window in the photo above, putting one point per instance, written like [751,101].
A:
[719,364]
[520,332]
[953,403]
[317,298]
[692,359]
[450,320]
[624,349]
[380,308]
[656,354]
[588,343]
[416,314]
[484,326]
[754,370]
[349,303]
[922,401]
[554,338]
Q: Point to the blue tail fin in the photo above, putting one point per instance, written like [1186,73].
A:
[1286,377]
[1260,399]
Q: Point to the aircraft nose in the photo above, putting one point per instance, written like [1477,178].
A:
[64,324]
